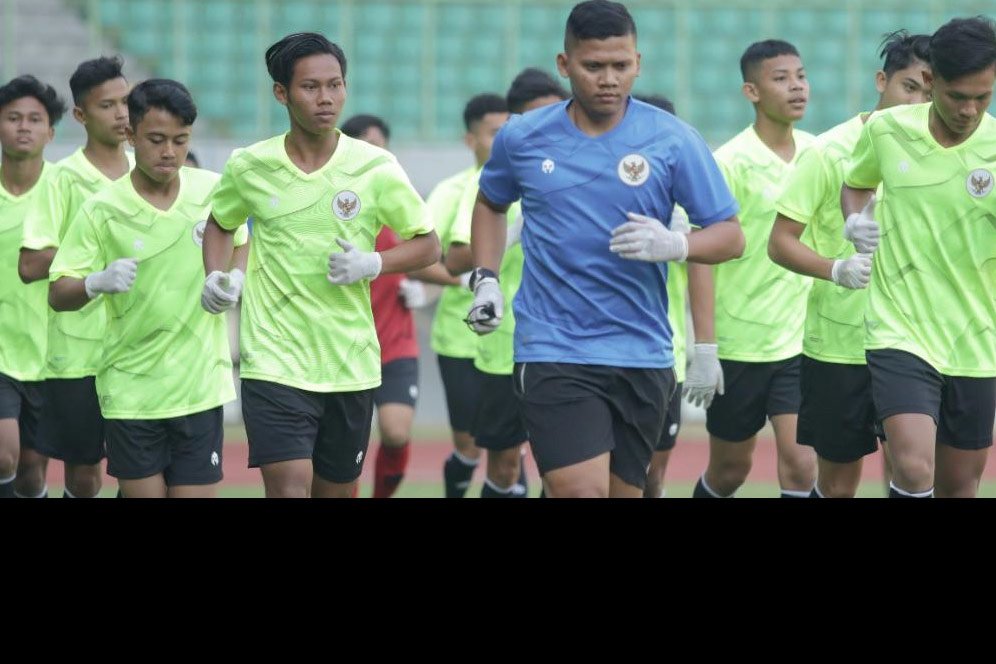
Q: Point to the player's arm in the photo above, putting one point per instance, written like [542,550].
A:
[75,281]
[33,264]
[435,274]
[717,243]
[487,236]
[218,247]
[785,248]
[419,252]
[459,259]
[705,373]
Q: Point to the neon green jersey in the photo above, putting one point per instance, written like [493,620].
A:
[74,337]
[835,329]
[297,328]
[450,335]
[677,297]
[163,355]
[933,288]
[760,306]
[23,308]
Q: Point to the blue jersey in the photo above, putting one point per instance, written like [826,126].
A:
[579,303]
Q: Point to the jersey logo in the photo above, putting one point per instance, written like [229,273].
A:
[904,166]
[980,182]
[673,431]
[215,460]
[346,205]
[359,457]
[198,233]
[634,170]
[548,166]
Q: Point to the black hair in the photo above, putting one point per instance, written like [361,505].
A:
[29,86]
[760,51]
[660,101]
[598,19]
[900,49]
[92,73]
[481,105]
[282,56]
[357,125]
[191,157]
[963,46]
[163,93]
[532,84]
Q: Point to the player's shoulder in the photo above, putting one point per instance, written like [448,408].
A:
[908,120]
[114,200]
[265,153]
[742,147]
[359,157]
[198,183]
[540,125]
[453,183]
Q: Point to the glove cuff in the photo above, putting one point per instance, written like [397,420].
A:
[90,292]
[480,273]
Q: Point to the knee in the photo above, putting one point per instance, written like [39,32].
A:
[731,472]
[84,482]
[504,467]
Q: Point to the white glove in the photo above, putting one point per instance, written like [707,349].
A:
[514,233]
[705,376]
[488,308]
[853,272]
[679,221]
[222,290]
[645,239]
[465,280]
[115,278]
[862,229]
[351,265]
[412,293]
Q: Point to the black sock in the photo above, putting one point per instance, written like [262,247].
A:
[542,492]
[814,493]
[7,489]
[119,494]
[456,476]
[701,491]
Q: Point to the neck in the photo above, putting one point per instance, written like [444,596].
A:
[19,175]
[310,151]
[159,194]
[108,159]
[776,135]
[593,125]
[942,134]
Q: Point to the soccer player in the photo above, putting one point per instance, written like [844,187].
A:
[594,365]
[837,415]
[498,425]
[29,111]
[759,307]
[72,427]
[166,365]
[310,358]
[454,343]
[930,325]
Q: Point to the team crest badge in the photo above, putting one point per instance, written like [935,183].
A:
[346,205]
[634,170]
[198,233]
[548,166]
[980,183]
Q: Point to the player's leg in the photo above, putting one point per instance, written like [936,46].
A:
[461,382]
[796,463]
[965,434]
[73,431]
[137,455]
[196,445]
[11,399]
[639,399]
[498,428]
[341,446]
[662,453]
[395,400]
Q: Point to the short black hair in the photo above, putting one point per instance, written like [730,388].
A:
[92,73]
[963,46]
[900,49]
[282,56]
[760,51]
[598,19]
[660,101]
[162,93]
[530,84]
[482,104]
[29,86]
[358,125]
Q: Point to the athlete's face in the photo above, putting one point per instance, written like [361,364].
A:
[960,104]
[904,86]
[161,143]
[104,112]
[602,73]
[316,95]
[24,128]
[374,136]
[482,134]
[779,88]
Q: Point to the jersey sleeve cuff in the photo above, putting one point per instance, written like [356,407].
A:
[715,218]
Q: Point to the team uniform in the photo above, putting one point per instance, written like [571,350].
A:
[310,359]
[930,325]
[23,321]
[760,306]
[593,346]
[837,414]
[165,367]
[395,327]
[73,427]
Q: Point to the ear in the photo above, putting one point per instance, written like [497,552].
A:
[51,134]
[750,92]
[78,115]
[639,57]
[130,134]
[280,93]
[470,141]
[928,78]
[562,64]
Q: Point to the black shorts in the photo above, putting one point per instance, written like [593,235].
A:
[286,423]
[462,382]
[185,449]
[498,422]
[72,428]
[576,412]
[399,382]
[963,408]
[837,415]
[672,423]
[22,401]
[755,391]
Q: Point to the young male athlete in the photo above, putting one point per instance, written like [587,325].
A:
[310,360]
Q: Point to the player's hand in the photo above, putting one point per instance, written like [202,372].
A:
[514,233]
[412,293]
[645,239]
[118,277]
[862,230]
[853,272]
[705,376]
[222,290]
[489,305]
[352,265]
